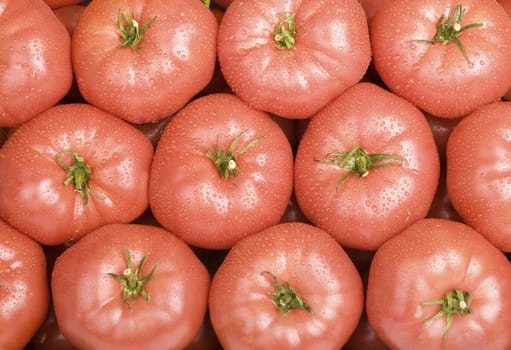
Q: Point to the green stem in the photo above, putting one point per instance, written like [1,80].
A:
[454,302]
[226,162]
[132,283]
[358,161]
[449,29]
[285,32]
[130,31]
[78,173]
[286,298]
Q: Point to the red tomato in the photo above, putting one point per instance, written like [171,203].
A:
[221,171]
[447,58]
[35,64]
[69,16]
[441,207]
[127,286]
[365,171]
[440,285]
[72,169]
[371,6]
[290,286]
[442,128]
[24,291]
[292,57]
[479,172]
[144,74]
[54,4]
[49,336]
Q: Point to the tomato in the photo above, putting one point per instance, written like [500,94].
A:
[69,16]
[447,58]
[478,171]
[441,207]
[292,57]
[371,6]
[156,69]
[24,290]
[506,4]
[49,336]
[442,128]
[440,285]
[221,171]
[365,171]
[35,65]
[128,286]
[54,4]
[290,286]
[72,169]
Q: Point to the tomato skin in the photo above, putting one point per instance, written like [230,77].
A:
[24,289]
[437,78]
[188,196]
[88,303]
[35,65]
[364,212]
[478,175]
[423,263]
[33,196]
[316,267]
[175,59]
[331,53]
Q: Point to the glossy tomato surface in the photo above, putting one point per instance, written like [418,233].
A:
[72,169]
[153,74]
[479,171]
[414,271]
[435,74]
[213,207]
[344,185]
[298,264]
[35,64]
[95,311]
[24,288]
[329,52]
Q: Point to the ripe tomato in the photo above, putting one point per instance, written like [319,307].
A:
[440,285]
[388,147]
[221,171]
[72,169]
[447,58]
[24,291]
[35,64]
[54,4]
[127,286]
[292,57]
[478,171]
[290,286]
[69,16]
[162,56]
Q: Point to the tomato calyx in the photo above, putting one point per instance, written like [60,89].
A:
[285,32]
[225,162]
[286,298]
[132,283]
[130,31]
[448,29]
[454,302]
[358,161]
[78,174]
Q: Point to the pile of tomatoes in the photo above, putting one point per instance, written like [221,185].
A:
[271,174]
